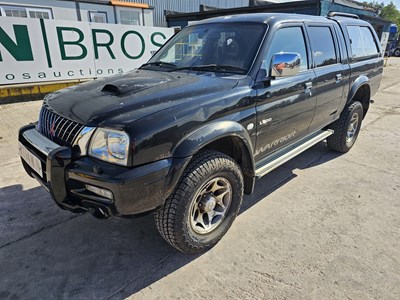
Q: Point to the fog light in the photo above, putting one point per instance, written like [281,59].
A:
[101,192]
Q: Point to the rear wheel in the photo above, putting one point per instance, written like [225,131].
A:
[204,203]
[346,128]
[396,52]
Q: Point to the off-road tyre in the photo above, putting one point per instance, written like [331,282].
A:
[339,141]
[173,220]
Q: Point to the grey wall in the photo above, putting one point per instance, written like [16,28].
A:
[66,10]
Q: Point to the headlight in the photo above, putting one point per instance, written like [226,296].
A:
[110,145]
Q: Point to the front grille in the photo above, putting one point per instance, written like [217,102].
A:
[58,129]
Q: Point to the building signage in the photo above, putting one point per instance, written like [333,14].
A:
[37,50]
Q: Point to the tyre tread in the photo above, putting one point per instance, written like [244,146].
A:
[165,217]
[335,141]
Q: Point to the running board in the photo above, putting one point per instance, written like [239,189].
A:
[287,153]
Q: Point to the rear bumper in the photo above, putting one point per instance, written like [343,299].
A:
[134,190]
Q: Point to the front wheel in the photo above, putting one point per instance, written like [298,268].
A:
[204,203]
[346,128]
[396,52]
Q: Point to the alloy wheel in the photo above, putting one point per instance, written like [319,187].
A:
[210,205]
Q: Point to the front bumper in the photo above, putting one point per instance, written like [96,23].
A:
[135,190]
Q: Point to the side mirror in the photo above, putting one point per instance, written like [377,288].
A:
[285,64]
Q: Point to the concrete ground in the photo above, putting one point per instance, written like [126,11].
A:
[323,226]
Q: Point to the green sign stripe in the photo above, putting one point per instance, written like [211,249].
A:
[46,43]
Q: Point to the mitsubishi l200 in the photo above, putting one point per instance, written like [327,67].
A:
[223,102]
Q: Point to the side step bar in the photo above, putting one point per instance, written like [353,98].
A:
[287,153]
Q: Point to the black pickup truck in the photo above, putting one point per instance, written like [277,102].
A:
[223,102]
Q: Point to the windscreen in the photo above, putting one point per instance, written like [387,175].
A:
[225,44]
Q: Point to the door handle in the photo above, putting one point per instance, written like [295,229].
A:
[338,77]
[308,87]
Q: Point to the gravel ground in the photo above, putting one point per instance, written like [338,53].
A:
[323,226]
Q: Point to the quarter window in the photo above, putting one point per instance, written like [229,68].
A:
[323,46]
[370,47]
[362,42]
[290,39]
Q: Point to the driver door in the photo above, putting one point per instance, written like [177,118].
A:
[285,105]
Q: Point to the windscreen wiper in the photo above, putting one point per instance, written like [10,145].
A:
[213,68]
[159,64]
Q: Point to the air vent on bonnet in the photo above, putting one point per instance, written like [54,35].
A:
[111,90]
[126,86]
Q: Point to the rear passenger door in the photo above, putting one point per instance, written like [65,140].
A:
[330,75]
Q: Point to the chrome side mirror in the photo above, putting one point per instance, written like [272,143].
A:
[285,64]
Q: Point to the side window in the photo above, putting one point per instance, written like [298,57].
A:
[290,39]
[322,45]
[357,47]
[370,47]
[362,41]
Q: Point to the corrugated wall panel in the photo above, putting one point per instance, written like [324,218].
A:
[186,6]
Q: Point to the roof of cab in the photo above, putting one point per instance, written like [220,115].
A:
[269,18]
[350,21]
[261,18]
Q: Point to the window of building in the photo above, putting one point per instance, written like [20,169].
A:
[130,17]
[324,53]
[39,14]
[290,39]
[26,12]
[362,42]
[15,12]
[98,17]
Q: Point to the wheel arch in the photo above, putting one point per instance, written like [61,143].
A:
[360,91]
[227,137]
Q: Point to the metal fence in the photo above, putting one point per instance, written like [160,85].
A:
[185,6]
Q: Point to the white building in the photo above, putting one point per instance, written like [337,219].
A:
[98,11]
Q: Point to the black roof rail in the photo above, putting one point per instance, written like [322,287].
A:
[340,14]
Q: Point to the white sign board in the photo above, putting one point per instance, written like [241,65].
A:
[37,50]
[384,41]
